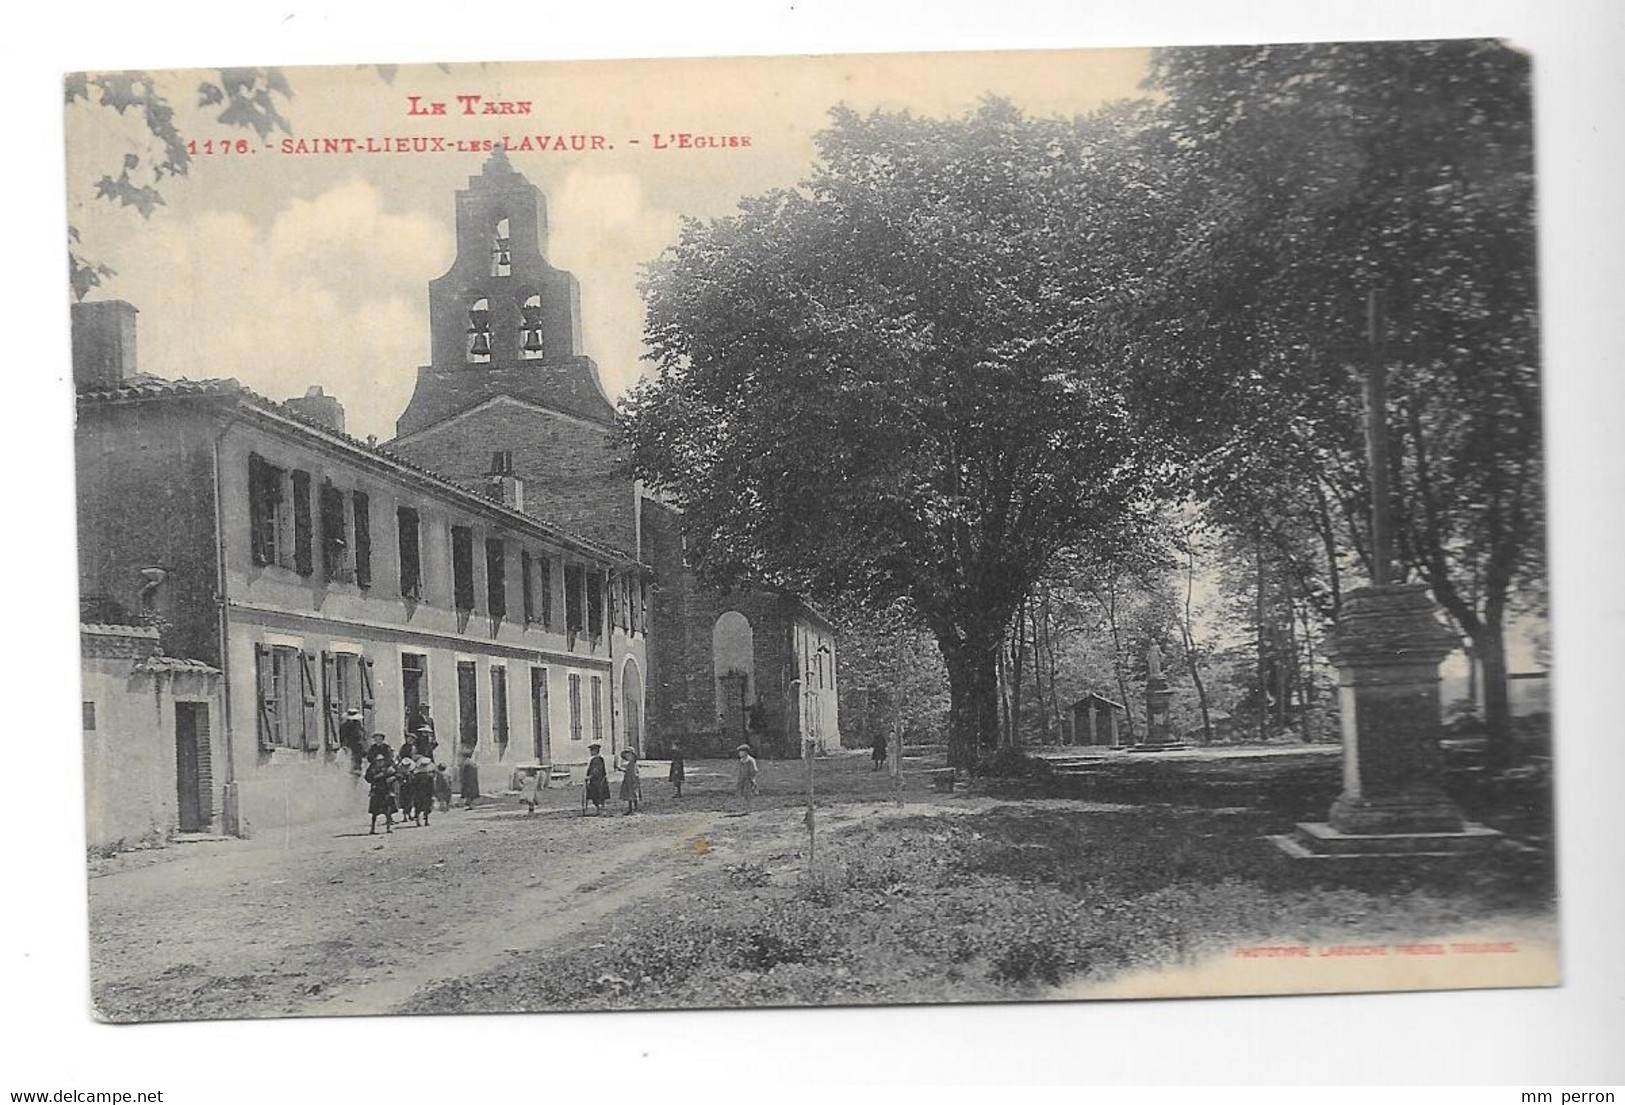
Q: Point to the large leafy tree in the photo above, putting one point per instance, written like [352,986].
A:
[888,382]
[1299,179]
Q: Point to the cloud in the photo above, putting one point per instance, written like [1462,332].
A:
[332,291]
[603,228]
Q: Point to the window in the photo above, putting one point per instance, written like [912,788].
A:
[496,577]
[414,686]
[468,704]
[597,708]
[479,332]
[89,716]
[264,510]
[362,509]
[303,558]
[547,590]
[530,329]
[288,694]
[499,704]
[574,585]
[335,535]
[527,593]
[575,707]
[462,567]
[595,604]
[501,251]
[406,524]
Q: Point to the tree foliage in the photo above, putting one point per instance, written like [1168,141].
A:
[1300,178]
[889,383]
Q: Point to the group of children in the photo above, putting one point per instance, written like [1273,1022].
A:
[409,782]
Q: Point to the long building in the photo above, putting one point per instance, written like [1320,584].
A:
[319,574]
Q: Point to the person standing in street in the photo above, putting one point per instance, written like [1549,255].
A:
[678,769]
[747,787]
[879,750]
[631,785]
[353,739]
[380,778]
[422,727]
[469,779]
[597,779]
[442,787]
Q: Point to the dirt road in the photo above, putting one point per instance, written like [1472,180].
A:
[326,919]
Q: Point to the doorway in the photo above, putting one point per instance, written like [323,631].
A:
[193,814]
[541,724]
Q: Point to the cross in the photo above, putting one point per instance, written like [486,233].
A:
[1376,441]
[1374,378]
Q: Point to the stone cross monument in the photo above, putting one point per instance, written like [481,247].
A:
[1387,648]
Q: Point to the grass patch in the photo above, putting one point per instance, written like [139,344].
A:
[1001,905]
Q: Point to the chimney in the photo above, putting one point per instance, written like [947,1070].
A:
[318,407]
[502,485]
[103,343]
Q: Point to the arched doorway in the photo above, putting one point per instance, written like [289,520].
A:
[632,704]
[733,661]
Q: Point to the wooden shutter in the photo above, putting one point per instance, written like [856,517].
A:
[330,690]
[368,699]
[310,696]
[363,538]
[259,541]
[303,556]
[265,683]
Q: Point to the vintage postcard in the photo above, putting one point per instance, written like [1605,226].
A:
[810,530]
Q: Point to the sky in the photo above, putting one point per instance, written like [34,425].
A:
[286,269]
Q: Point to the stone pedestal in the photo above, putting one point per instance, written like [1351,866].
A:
[1387,649]
[1157,697]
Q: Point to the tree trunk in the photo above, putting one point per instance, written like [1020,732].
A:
[1490,645]
[1258,614]
[973,696]
[1190,644]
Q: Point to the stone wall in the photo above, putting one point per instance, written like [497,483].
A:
[571,476]
[145,487]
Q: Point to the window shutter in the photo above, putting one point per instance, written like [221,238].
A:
[258,544]
[303,556]
[363,538]
[368,700]
[266,685]
[330,689]
[311,721]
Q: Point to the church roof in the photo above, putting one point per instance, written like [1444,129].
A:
[569,386]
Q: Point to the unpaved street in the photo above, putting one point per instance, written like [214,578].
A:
[326,919]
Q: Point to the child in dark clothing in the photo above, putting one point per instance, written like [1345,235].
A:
[381,779]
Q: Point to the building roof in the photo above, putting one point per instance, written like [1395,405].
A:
[1093,697]
[568,385]
[145,388]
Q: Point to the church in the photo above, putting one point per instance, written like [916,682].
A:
[509,393]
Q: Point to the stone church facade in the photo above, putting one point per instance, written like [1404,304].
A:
[509,392]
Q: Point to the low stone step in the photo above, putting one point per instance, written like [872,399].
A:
[1318,836]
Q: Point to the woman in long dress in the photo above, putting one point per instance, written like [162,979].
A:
[597,779]
[631,786]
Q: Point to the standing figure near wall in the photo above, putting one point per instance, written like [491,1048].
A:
[597,780]
[381,802]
